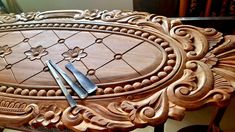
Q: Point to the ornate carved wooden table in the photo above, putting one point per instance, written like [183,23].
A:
[148,68]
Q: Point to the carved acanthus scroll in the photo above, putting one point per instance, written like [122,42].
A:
[127,114]
[17,113]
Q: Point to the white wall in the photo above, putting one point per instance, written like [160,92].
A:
[43,5]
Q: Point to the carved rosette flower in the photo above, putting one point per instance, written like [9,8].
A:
[5,50]
[74,54]
[50,117]
[36,53]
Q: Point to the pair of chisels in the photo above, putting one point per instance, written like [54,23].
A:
[85,87]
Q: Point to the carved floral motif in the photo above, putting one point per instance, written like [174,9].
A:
[74,54]
[92,14]
[28,16]
[5,50]
[36,53]
[49,116]
[10,18]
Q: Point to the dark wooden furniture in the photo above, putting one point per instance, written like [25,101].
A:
[148,68]
[186,8]
[222,24]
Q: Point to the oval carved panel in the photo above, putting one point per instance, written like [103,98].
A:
[127,58]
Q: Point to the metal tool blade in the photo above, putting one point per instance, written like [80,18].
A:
[84,81]
[71,101]
[79,90]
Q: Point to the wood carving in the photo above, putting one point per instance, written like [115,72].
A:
[148,68]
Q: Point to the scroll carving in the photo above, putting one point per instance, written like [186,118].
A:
[214,73]
[192,40]
[110,16]
[127,114]
[187,91]
[17,113]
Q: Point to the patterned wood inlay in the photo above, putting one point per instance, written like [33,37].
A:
[148,68]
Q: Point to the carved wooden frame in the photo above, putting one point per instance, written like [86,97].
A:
[198,70]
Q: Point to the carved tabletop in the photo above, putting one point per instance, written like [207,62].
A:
[147,68]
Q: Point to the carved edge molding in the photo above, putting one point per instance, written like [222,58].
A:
[130,17]
[208,76]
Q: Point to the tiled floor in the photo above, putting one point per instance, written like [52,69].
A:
[200,117]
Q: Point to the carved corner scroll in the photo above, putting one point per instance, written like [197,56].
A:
[16,113]
[204,73]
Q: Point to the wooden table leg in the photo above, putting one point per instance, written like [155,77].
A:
[214,125]
[1,129]
[159,128]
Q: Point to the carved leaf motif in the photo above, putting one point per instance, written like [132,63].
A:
[20,117]
[195,83]
[226,56]
[193,41]
[127,107]
[221,93]
[93,14]
[81,118]
[115,15]
[151,110]
[140,113]
[27,16]
[10,18]
[160,23]
[214,37]
[123,16]
[133,115]
[99,121]
[228,44]
[210,59]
